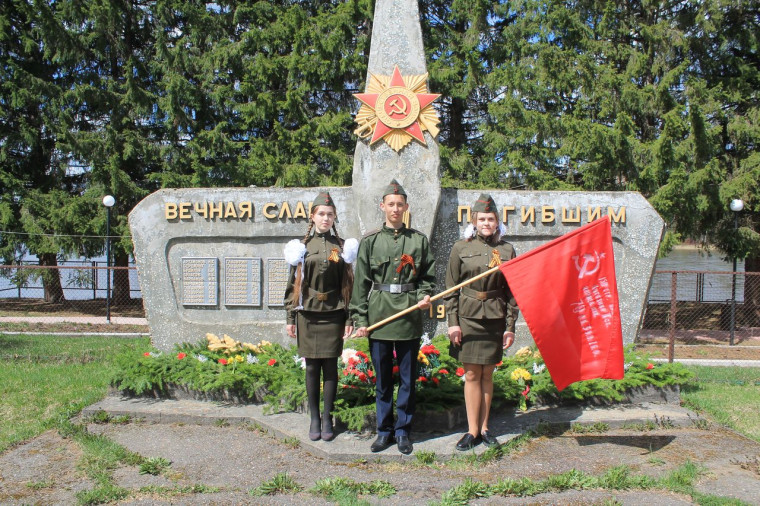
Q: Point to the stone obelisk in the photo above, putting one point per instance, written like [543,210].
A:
[397,42]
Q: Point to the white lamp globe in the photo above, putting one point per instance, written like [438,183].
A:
[737,205]
[109,201]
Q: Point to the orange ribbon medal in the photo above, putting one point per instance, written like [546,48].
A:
[334,255]
[495,258]
[406,260]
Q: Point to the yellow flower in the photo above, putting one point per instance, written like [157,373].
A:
[252,347]
[520,373]
[537,354]
[525,351]
[239,358]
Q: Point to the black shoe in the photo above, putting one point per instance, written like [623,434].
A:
[489,440]
[468,442]
[405,445]
[381,443]
[314,430]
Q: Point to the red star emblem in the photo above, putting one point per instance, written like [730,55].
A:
[399,108]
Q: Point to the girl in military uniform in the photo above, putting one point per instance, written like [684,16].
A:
[481,316]
[316,300]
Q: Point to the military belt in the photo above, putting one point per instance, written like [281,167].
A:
[491,294]
[394,288]
[320,296]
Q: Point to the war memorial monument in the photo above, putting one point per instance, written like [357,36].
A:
[211,259]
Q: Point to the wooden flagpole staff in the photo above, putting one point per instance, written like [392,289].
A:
[433,298]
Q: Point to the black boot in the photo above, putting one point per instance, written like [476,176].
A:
[327,427]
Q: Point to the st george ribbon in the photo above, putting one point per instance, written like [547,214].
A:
[567,293]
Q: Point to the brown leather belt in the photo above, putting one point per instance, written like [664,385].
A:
[320,296]
[491,294]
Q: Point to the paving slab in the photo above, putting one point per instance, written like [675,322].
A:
[350,446]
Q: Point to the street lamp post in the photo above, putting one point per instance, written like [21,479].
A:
[736,206]
[108,201]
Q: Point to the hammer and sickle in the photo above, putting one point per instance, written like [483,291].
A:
[396,108]
[590,265]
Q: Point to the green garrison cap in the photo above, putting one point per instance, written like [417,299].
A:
[484,204]
[323,199]
[394,188]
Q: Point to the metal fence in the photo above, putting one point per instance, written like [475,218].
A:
[702,314]
[79,293]
[690,314]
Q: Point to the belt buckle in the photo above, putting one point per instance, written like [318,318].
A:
[322,296]
[394,288]
[482,296]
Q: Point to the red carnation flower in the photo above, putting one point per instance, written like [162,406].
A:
[436,380]
[395,369]
[422,379]
[429,349]
[271,361]
[223,361]
[650,366]
[362,376]
[345,372]
[500,364]
[443,371]
[146,354]
[180,356]
[460,371]
[370,373]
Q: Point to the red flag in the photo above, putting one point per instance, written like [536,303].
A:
[567,293]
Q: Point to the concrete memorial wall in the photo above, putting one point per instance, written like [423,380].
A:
[211,260]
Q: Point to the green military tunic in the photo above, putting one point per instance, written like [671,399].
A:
[320,325]
[392,256]
[484,309]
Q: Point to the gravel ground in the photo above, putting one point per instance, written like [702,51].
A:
[236,459]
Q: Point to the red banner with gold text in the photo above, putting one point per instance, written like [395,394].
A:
[567,293]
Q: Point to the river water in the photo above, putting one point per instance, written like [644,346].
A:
[707,287]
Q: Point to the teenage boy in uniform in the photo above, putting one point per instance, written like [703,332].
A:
[395,269]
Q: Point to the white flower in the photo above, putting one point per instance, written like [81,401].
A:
[538,369]
[347,353]
[155,354]
[350,249]
[252,359]
[300,361]
[626,366]
[294,251]
[202,358]
[425,339]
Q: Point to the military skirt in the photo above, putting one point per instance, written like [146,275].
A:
[482,341]
[320,333]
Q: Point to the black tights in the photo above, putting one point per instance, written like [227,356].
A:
[328,367]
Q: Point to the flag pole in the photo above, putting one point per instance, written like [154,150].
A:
[433,298]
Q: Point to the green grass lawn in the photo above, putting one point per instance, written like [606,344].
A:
[729,395]
[43,378]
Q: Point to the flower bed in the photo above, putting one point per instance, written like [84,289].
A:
[226,369]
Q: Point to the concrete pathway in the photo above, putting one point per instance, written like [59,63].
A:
[117,320]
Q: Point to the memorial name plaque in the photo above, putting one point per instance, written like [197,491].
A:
[242,281]
[199,281]
[278,272]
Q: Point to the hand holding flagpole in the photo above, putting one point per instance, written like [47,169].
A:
[433,298]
